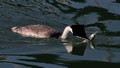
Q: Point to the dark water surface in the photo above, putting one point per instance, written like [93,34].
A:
[23,52]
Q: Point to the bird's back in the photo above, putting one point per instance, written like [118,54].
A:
[38,31]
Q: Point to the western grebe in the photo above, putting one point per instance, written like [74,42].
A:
[40,31]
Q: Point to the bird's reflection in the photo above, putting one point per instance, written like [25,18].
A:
[76,48]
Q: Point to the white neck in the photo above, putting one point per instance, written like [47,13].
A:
[66,31]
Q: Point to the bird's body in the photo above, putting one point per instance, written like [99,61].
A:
[40,31]
[37,31]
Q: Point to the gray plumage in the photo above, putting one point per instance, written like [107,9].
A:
[37,31]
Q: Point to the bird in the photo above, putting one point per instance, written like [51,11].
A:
[41,31]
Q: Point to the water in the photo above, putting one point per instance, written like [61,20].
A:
[23,52]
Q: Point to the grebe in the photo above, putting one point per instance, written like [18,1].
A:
[40,31]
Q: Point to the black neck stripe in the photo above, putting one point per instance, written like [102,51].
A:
[79,30]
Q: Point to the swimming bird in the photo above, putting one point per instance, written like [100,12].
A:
[40,31]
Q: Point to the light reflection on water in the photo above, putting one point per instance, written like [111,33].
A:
[17,51]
